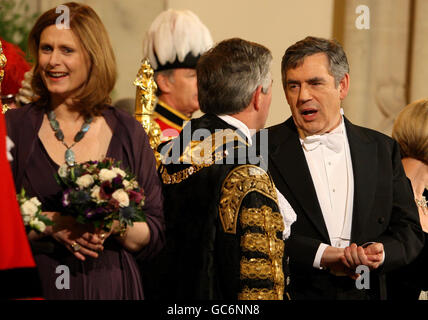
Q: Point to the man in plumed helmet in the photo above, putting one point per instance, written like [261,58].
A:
[173,44]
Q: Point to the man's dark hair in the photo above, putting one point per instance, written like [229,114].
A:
[295,55]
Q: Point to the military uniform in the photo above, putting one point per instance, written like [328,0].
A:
[170,120]
[223,226]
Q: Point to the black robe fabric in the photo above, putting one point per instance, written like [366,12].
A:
[209,253]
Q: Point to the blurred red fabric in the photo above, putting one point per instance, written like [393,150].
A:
[15,68]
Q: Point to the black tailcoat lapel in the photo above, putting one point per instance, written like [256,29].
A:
[364,160]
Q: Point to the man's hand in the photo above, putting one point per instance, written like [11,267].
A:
[370,256]
[332,259]
[375,253]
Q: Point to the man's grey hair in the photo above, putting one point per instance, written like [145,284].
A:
[169,73]
[229,73]
[295,55]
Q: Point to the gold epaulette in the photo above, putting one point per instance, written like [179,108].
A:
[238,183]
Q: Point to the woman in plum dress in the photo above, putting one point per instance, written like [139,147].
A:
[74,73]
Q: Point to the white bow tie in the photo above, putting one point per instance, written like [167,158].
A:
[333,141]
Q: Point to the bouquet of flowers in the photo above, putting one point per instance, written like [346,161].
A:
[100,192]
[31,210]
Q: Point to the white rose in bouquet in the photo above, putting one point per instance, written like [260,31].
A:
[26,218]
[85,181]
[119,171]
[35,201]
[95,194]
[107,175]
[31,212]
[127,185]
[28,210]
[122,197]
[38,225]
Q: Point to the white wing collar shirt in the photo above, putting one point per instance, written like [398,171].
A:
[287,212]
[329,160]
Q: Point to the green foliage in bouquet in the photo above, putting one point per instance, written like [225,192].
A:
[16,21]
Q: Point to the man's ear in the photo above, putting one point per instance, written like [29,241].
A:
[163,83]
[256,98]
[344,86]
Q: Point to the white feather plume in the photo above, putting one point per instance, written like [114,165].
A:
[173,34]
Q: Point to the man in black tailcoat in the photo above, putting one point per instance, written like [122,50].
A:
[353,202]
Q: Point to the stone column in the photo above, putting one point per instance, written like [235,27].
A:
[378,59]
[418,88]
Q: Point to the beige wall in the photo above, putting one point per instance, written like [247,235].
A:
[274,23]
[378,59]
[374,98]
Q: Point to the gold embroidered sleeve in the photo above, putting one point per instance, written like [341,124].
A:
[258,294]
[268,244]
[239,182]
[262,249]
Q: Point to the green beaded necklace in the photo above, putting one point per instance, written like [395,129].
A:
[69,154]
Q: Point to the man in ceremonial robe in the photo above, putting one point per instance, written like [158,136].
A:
[225,230]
